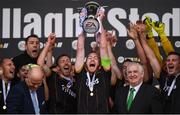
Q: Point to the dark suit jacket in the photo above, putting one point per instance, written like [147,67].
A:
[147,100]
[2,98]
[19,100]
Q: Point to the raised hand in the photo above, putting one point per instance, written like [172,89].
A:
[132,32]
[159,27]
[82,16]
[94,46]
[148,22]
[101,13]
[114,38]
[52,38]
[111,37]
[140,27]
[51,41]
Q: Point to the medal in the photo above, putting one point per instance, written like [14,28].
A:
[91,94]
[4,107]
[90,83]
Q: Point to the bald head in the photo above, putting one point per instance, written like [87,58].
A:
[36,73]
[35,77]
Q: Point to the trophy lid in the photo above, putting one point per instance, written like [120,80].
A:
[92,7]
[92,3]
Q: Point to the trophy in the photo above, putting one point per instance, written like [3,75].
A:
[90,24]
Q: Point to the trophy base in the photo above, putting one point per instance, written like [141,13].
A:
[90,25]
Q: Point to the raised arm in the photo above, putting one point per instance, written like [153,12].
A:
[150,55]
[116,74]
[159,27]
[47,50]
[133,33]
[105,61]
[151,40]
[49,61]
[41,61]
[80,53]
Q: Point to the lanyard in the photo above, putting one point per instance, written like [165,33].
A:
[70,81]
[172,84]
[90,83]
[66,78]
[5,93]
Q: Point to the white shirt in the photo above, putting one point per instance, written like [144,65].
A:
[136,89]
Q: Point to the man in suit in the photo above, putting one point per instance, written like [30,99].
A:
[138,97]
[28,96]
[7,75]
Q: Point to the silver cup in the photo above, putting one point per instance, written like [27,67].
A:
[91,24]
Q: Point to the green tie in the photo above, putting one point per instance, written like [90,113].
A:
[130,98]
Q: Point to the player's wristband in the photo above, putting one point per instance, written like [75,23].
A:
[105,62]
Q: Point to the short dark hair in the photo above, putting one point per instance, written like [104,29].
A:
[60,57]
[174,53]
[32,35]
[96,52]
[2,60]
[139,22]
[92,51]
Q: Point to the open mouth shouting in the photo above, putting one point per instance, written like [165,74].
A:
[92,66]
[66,70]
[171,69]
[35,53]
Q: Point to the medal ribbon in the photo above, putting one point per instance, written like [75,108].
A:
[70,81]
[173,84]
[5,93]
[90,83]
